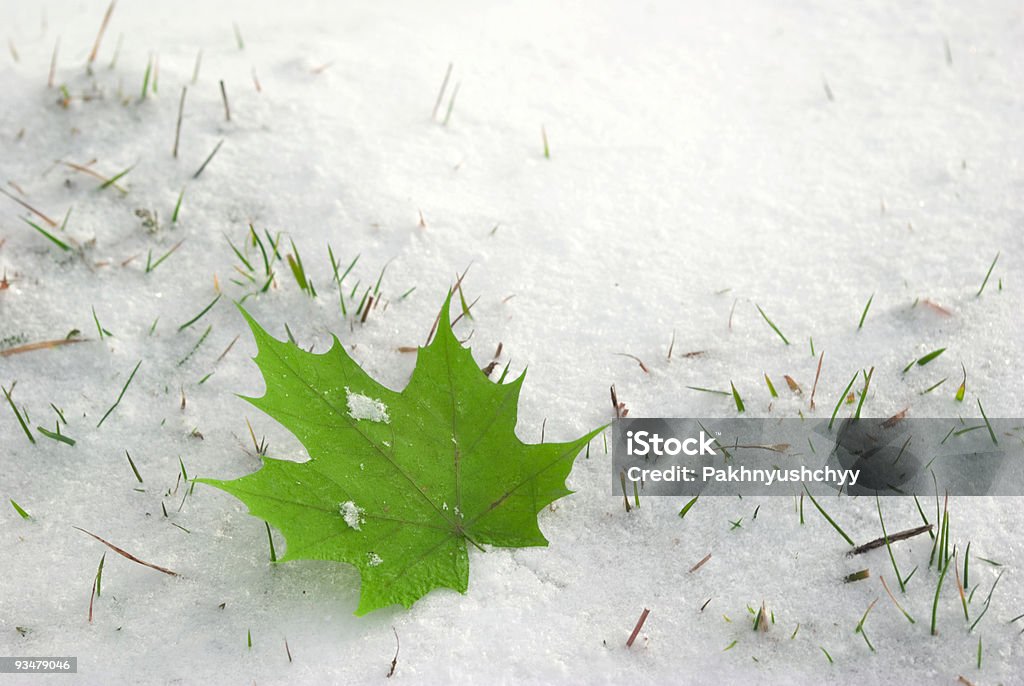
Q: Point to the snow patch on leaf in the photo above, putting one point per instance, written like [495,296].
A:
[352,514]
[365,407]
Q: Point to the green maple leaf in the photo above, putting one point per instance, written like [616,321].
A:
[398,483]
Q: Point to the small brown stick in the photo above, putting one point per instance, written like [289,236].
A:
[128,555]
[287,650]
[103,28]
[671,345]
[700,564]
[879,542]
[29,208]
[816,375]
[53,63]
[224,96]
[181,112]
[256,81]
[394,660]
[41,345]
[636,629]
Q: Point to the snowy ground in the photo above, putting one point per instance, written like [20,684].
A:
[704,158]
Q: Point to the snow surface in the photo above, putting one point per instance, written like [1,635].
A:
[697,167]
[352,514]
[364,407]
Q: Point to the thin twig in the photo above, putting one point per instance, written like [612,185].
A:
[879,542]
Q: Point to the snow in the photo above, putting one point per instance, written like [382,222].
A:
[352,514]
[364,407]
[697,168]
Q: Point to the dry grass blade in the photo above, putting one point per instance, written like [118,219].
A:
[700,564]
[128,555]
[41,345]
[31,209]
[636,629]
[103,28]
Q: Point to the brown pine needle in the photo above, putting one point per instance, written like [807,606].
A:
[636,629]
[638,361]
[700,564]
[40,345]
[128,555]
[103,28]
[31,209]
[92,172]
[893,598]
[935,307]
[816,375]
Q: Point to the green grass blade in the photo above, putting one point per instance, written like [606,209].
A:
[829,519]
[771,386]
[842,397]
[864,314]
[687,506]
[772,324]
[199,316]
[987,274]
[736,397]
[20,510]
[56,241]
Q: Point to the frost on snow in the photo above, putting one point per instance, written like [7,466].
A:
[364,407]
[373,559]
[353,514]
